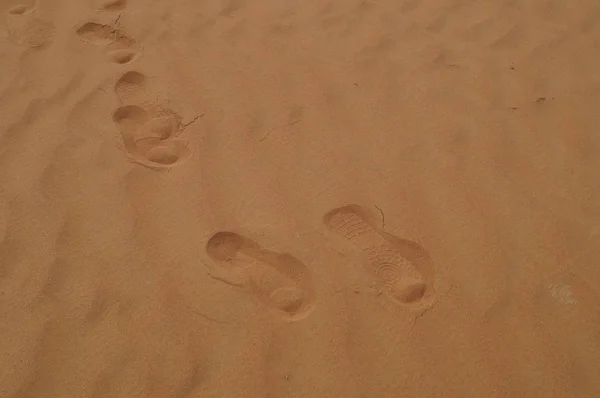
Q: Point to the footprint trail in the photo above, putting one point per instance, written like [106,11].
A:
[148,129]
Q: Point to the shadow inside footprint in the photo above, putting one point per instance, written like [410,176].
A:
[121,56]
[156,154]
[130,118]
[280,281]
[20,9]
[398,264]
[112,5]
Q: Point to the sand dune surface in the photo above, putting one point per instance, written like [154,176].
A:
[359,198]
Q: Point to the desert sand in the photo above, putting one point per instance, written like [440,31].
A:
[358,199]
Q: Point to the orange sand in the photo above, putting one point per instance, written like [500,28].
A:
[362,198]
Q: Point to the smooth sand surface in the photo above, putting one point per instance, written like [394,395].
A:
[340,198]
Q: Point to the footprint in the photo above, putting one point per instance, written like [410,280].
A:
[148,141]
[131,88]
[103,35]
[31,32]
[146,127]
[280,281]
[119,47]
[391,260]
[563,293]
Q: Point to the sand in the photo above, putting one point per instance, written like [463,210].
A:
[362,198]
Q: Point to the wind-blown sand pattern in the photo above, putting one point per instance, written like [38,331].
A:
[360,198]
